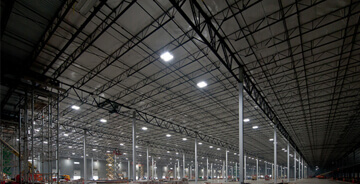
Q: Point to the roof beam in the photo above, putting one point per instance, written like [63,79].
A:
[216,42]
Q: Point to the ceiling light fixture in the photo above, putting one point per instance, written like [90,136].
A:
[202,84]
[66,135]
[73,153]
[121,144]
[218,149]
[271,139]
[144,128]
[166,56]
[168,135]
[184,139]
[255,127]
[70,146]
[200,143]
[75,107]
[103,120]
[246,120]
[210,146]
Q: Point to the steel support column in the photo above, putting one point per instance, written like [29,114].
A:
[241,129]
[196,163]
[236,170]
[265,168]
[92,167]
[184,165]
[294,165]
[57,137]
[85,174]
[275,155]
[226,166]
[32,136]
[153,168]
[302,165]
[134,147]
[128,174]
[207,168]
[244,170]
[147,163]
[288,162]
[299,168]
[174,170]
[257,168]
[212,172]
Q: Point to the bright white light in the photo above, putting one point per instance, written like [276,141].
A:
[234,153]
[166,56]
[144,128]
[246,120]
[45,142]
[66,135]
[110,164]
[108,151]
[200,143]
[103,120]
[202,84]
[17,139]
[75,107]
[76,163]
[168,135]
[271,139]
[210,146]
[73,153]
[168,151]
[283,149]
[121,144]
[70,146]
[136,146]
[177,153]
[94,149]
[218,149]
[37,130]
[184,139]
[255,127]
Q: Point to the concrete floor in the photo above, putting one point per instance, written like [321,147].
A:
[302,181]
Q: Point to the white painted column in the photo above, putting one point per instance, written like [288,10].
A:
[196,163]
[174,171]
[226,166]
[294,165]
[299,168]
[128,174]
[207,168]
[134,147]
[236,172]
[265,168]
[212,171]
[257,168]
[244,169]
[241,128]
[275,155]
[288,162]
[147,164]
[184,165]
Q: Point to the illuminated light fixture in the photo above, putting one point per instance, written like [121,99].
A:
[66,135]
[108,151]
[121,144]
[125,153]
[144,128]
[202,84]
[184,139]
[246,120]
[283,149]
[255,127]
[45,142]
[136,146]
[166,56]
[218,149]
[103,120]
[271,139]
[75,107]
[200,143]
[168,135]
[73,153]
[70,146]
[94,149]
[177,153]
[76,163]
[210,146]
[17,139]
[87,155]
[168,151]
[37,130]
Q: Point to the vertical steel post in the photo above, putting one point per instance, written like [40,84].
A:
[178,170]
[128,173]
[92,167]
[42,142]
[183,165]
[32,136]
[85,167]
[288,162]
[190,172]
[20,146]
[134,147]
[207,168]
[244,169]
[174,170]
[153,168]
[275,155]
[226,165]
[241,129]
[257,168]
[147,163]
[196,163]
[299,167]
[236,170]
[303,168]
[26,121]
[49,143]
[294,165]
[265,168]
[211,172]
[57,137]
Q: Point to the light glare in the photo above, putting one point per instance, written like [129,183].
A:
[75,107]
[166,56]
[202,84]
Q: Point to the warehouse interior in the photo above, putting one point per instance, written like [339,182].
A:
[180,91]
